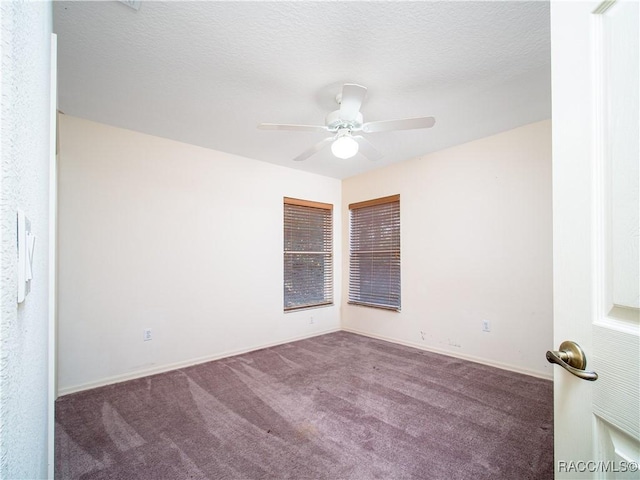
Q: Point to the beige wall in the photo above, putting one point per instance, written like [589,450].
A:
[179,239]
[188,242]
[476,245]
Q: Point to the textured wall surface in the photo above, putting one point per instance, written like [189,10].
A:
[26,38]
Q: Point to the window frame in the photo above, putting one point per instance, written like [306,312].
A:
[355,294]
[326,239]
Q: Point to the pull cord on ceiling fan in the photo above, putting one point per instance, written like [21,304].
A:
[344,122]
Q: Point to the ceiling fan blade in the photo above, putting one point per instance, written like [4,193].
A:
[351,100]
[298,128]
[367,149]
[315,149]
[404,124]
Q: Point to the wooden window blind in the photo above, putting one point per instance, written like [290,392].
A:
[374,253]
[308,254]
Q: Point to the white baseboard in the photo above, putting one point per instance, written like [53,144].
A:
[471,358]
[178,365]
[209,358]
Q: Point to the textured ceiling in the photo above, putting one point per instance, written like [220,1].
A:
[207,73]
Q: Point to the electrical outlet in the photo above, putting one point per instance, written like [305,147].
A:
[146,334]
[486,326]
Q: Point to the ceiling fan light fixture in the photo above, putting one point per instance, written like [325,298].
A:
[342,123]
[344,147]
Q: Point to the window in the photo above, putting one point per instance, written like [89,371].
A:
[374,256]
[308,254]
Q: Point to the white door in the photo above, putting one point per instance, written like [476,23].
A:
[596,137]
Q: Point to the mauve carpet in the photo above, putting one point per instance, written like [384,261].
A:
[337,406]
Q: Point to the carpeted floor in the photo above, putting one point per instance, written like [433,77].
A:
[338,406]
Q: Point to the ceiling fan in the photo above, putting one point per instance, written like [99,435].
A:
[343,123]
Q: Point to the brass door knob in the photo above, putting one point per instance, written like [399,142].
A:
[572,359]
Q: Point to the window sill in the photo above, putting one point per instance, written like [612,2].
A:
[308,307]
[372,305]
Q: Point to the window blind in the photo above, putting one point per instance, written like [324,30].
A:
[308,254]
[374,256]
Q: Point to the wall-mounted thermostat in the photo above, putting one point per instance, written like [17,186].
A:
[26,244]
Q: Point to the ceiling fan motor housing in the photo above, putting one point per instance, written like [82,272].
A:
[335,123]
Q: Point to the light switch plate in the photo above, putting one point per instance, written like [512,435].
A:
[26,244]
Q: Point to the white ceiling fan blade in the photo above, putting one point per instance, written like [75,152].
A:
[367,149]
[404,124]
[315,149]
[351,100]
[298,128]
